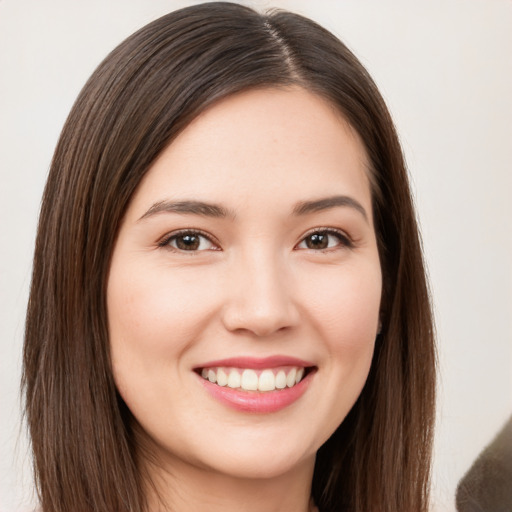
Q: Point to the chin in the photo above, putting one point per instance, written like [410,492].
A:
[261,465]
[247,454]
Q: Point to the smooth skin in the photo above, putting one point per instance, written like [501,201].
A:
[256,275]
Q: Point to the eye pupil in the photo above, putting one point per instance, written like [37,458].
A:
[187,242]
[317,241]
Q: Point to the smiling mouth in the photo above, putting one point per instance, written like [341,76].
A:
[260,380]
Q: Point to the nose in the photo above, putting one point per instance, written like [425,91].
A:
[260,296]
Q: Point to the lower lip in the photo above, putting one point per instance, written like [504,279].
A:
[257,402]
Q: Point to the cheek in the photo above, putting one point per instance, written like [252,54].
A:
[150,311]
[342,314]
[345,304]
[345,311]
[152,321]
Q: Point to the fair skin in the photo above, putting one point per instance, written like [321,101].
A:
[268,280]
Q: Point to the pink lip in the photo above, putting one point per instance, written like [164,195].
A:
[254,401]
[256,363]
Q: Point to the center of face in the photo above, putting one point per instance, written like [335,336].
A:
[245,284]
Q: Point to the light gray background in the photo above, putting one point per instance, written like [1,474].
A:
[445,69]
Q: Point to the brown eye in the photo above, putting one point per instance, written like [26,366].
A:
[326,239]
[190,241]
[317,241]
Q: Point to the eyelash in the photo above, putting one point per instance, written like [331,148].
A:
[166,241]
[343,239]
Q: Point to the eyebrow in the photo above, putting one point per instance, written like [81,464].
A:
[189,207]
[217,211]
[306,207]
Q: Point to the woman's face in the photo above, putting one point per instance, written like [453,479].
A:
[247,262]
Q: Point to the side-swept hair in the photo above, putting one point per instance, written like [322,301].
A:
[135,103]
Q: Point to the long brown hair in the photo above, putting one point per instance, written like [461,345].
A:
[139,98]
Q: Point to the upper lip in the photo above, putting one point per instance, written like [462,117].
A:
[257,363]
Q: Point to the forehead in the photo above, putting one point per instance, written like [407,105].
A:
[281,143]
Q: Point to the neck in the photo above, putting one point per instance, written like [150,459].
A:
[181,487]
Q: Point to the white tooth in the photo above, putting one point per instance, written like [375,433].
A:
[267,381]
[249,380]
[222,377]
[204,373]
[280,380]
[234,379]
[300,374]
[212,377]
[290,379]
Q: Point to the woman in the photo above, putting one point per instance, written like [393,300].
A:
[229,306]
